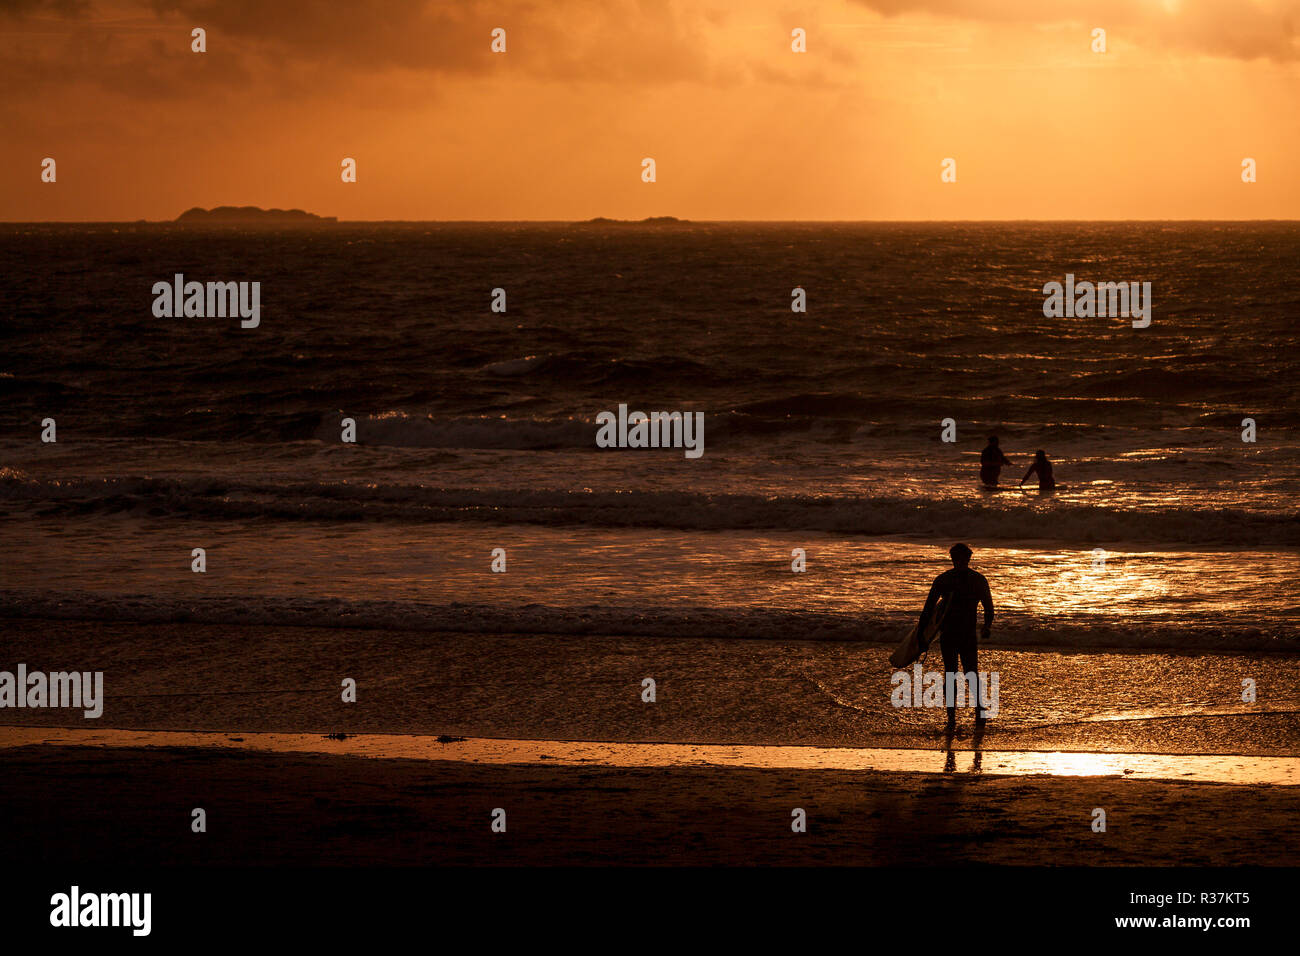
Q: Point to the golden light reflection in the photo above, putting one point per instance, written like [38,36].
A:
[1122,586]
[1201,768]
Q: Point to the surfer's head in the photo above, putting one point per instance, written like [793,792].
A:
[960,555]
[993,439]
[1041,455]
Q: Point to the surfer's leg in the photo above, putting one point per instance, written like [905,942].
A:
[950,655]
[970,665]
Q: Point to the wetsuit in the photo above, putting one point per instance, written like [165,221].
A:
[991,462]
[969,589]
[1044,469]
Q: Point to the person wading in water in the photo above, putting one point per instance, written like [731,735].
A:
[1044,469]
[991,462]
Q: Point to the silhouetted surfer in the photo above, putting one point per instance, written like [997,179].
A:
[991,462]
[1044,469]
[957,640]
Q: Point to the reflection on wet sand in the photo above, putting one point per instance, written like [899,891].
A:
[1234,769]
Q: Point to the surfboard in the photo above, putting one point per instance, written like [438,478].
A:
[910,648]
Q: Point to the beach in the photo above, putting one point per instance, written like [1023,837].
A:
[109,807]
[305,808]
[205,677]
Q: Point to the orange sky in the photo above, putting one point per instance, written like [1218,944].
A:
[740,126]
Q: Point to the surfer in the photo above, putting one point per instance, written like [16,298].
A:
[968,589]
[1044,469]
[991,462]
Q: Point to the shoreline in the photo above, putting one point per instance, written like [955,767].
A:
[589,687]
[1233,769]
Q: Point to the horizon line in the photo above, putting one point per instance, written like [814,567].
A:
[599,220]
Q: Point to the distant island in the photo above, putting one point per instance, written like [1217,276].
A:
[650,221]
[249,214]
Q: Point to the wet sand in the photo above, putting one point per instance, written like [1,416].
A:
[100,806]
[1234,769]
[1096,711]
[203,677]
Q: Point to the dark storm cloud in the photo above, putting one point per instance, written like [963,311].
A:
[23,8]
[560,38]
[300,47]
[362,34]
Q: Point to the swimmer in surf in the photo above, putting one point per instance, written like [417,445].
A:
[991,462]
[1044,469]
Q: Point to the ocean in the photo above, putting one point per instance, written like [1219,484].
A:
[476,430]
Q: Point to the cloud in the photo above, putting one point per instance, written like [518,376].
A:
[23,8]
[1240,29]
[295,46]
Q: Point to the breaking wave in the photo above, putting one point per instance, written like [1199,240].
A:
[679,510]
[253,610]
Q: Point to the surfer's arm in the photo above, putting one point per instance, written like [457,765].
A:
[986,598]
[930,601]
[1032,469]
